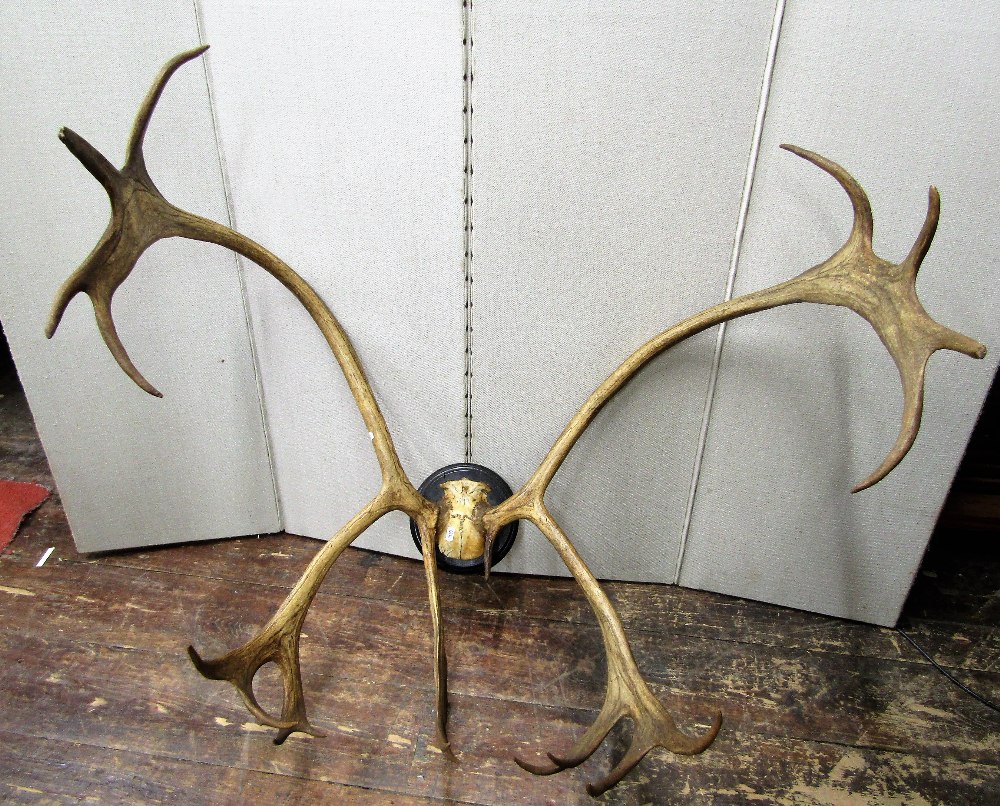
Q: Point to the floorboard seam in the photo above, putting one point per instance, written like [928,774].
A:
[191,760]
[634,629]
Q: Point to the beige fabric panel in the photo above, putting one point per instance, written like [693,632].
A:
[341,127]
[131,469]
[808,403]
[610,147]
[610,151]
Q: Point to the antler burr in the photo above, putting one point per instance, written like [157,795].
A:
[883,293]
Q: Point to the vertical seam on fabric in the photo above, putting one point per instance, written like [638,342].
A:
[467,77]
[751,169]
[240,268]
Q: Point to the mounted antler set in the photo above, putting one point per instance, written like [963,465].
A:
[855,277]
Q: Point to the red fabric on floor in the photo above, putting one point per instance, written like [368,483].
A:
[17,500]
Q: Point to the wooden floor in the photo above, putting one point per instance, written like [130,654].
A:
[99,703]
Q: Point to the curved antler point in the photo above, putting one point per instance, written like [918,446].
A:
[196,659]
[706,739]
[806,154]
[63,298]
[108,331]
[863,221]
[922,244]
[886,468]
[146,386]
[133,150]
[636,752]
[559,762]
[537,769]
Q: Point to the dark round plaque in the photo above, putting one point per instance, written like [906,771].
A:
[499,492]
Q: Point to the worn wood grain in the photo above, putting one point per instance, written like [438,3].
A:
[850,696]
[45,770]
[278,560]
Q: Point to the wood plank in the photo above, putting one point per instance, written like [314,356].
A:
[278,560]
[373,745]
[41,770]
[852,700]
[378,735]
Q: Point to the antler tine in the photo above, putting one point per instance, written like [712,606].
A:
[912,380]
[105,173]
[64,296]
[429,552]
[108,331]
[636,752]
[923,242]
[864,225]
[133,151]
[93,160]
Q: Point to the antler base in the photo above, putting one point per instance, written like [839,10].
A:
[454,489]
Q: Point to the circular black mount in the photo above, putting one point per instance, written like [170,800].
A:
[499,492]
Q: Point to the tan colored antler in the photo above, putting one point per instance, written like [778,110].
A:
[855,277]
[627,694]
[140,216]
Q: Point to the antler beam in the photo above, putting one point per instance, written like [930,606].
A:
[885,295]
[881,292]
[141,216]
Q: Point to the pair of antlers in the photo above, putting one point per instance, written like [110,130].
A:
[881,292]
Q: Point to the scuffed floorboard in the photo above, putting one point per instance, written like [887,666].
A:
[99,704]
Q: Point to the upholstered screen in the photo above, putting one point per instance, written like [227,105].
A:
[625,175]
